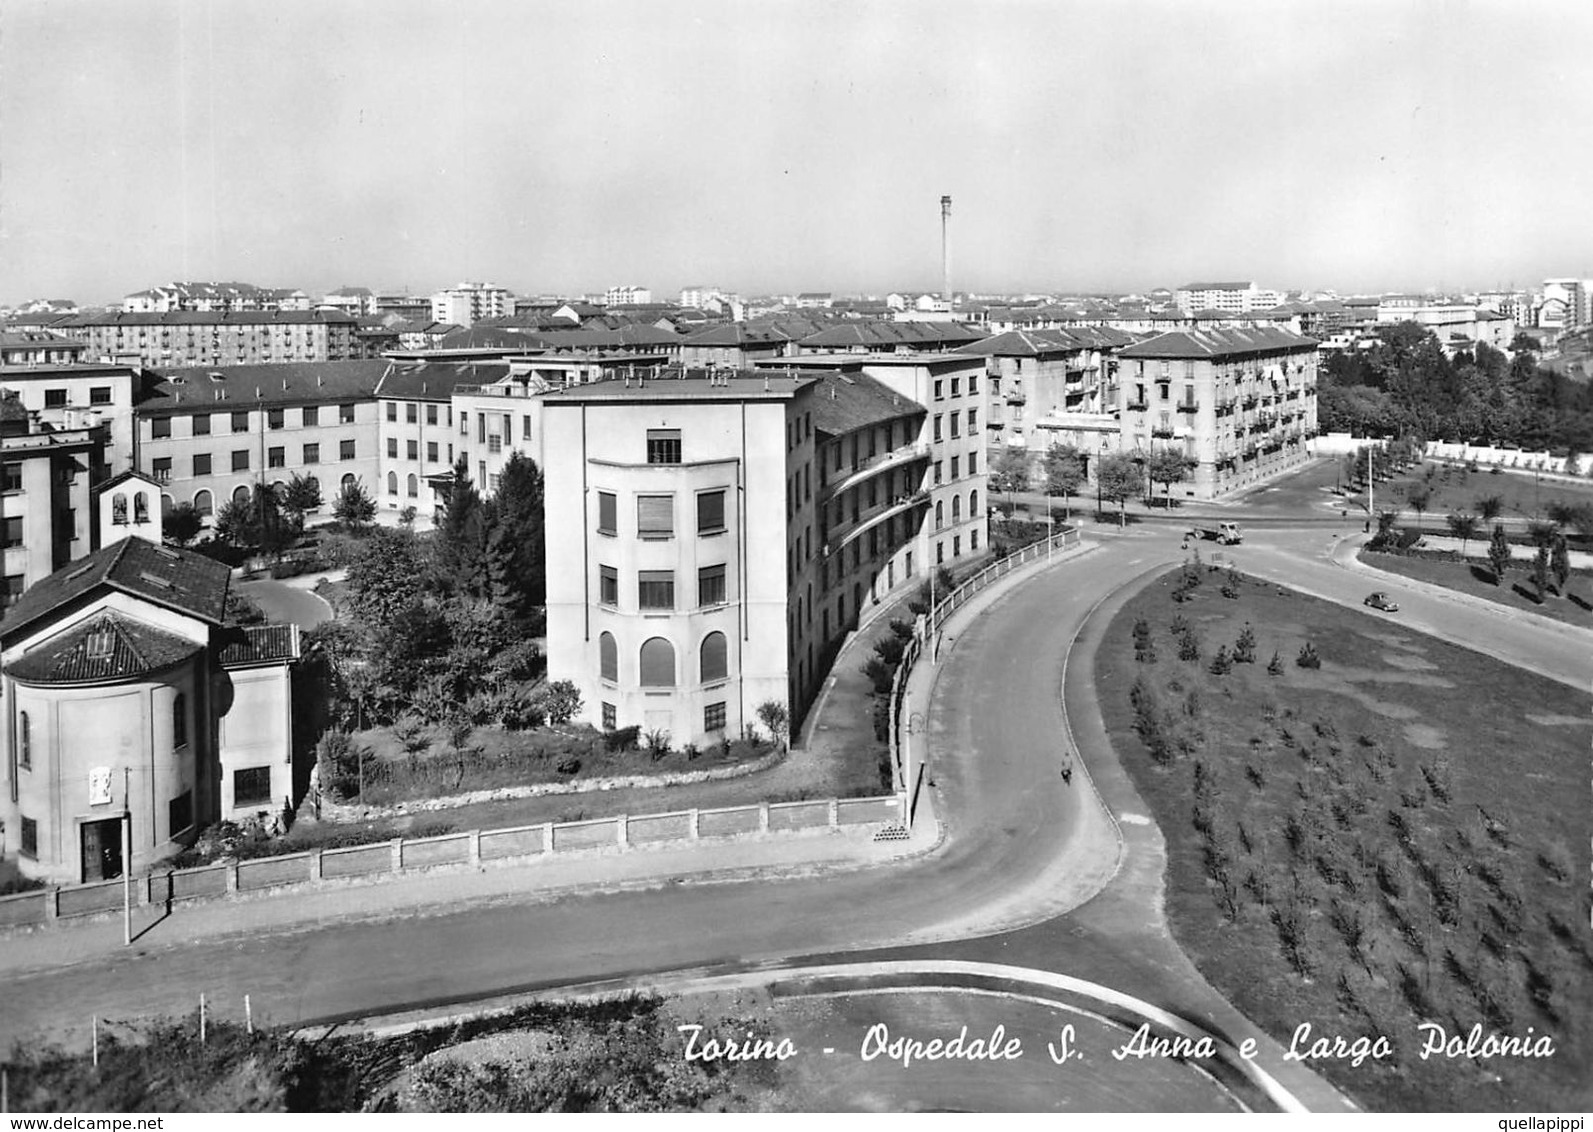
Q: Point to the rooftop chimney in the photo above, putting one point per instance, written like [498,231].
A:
[945,247]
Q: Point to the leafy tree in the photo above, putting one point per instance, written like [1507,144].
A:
[1464,527]
[354,506]
[1560,563]
[1064,473]
[1120,478]
[1488,507]
[182,524]
[1168,466]
[1010,472]
[1418,497]
[462,533]
[516,545]
[301,495]
[1498,554]
[1540,571]
[256,522]
[774,716]
[563,701]
[1244,649]
[385,578]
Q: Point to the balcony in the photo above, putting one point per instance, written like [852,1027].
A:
[840,535]
[1189,406]
[872,466]
[1249,401]
[1015,397]
[1137,406]
[1163,432]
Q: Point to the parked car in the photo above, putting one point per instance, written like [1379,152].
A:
[1379,600]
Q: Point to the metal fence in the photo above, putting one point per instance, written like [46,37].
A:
[927,636]
[472,848]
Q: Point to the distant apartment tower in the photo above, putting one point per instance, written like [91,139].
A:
[1230,298]
[626,295]
[1240,403]
[216,338]
[215,297]
[468,303]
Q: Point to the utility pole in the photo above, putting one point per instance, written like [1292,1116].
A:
[127,857]
[1369,486]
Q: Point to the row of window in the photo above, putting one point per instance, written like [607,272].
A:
[309,417]
[713,717]
[60,398]
[655,589]
[655,514]
[956,385]
[656,660]
[955,420]
[433,451]
[203,462]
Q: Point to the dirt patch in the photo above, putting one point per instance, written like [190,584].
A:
[1559,720]
[1425,735]
[1392,640]
[1408,663]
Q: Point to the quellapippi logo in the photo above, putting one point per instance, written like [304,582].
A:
[1304,1045]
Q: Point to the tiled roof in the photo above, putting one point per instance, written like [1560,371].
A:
[845,403]
[194,389]
[677,384]
[259,644]
[102,649]
[1216,343]
[883,334]
[205,318]
[1034,343]
[435,381]
[14,339]
[181,580]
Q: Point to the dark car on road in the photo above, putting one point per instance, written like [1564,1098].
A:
[1381,601]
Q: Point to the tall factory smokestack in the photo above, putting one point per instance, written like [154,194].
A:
[945,247]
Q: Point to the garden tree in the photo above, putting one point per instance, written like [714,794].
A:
[1009,472]
[774,716]
[1560,563]
[1573,463]
[386,577]
[519,560]
[1498,553]
[182,524]
[563,702]
[1540,571]
[1464,527]
[231,524]
[1489,506]
[460,549]
[1168,466]
[1120,478]
[1418,497]
[1385,525]
[301,495]
[1064,473]
[1563,514]
[256,522]
[354,506]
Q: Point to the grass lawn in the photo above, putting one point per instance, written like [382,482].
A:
[1477,580]
[1399,835]
[1456,489]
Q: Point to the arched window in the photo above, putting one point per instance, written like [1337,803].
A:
[608,657]
[24,740]
[179,721]
[140,507]
[413,487]
[348,480]
[203,503]
[240,495]
[956,509]
[940,513]
[658,663]
[392,483]
[119,509]
[713,657]
[973,504]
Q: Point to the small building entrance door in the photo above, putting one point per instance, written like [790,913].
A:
[102,849]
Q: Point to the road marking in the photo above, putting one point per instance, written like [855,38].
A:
[1133,819]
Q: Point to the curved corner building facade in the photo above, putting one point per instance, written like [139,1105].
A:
[717,533]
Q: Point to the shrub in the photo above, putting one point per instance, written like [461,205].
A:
[658,743]
[1221,664]
[902,630]
[561,700]
[568,765]
[1189,647]
[1275,665]
[338,757]
[1308,657]
[890,649]
[1244,649]
[1229,592]
[621,738]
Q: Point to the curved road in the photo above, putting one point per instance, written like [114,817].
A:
[996,734]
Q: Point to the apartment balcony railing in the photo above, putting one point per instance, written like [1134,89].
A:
[1015,396]
[1138,406]
[1189,406]
[1250,401]
[881,462]
[1163,432]
[839,536]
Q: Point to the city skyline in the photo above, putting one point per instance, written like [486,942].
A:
[1349,147]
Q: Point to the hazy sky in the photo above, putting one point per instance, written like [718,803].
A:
[771,146]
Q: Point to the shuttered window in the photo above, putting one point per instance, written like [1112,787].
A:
[713,657]
[658,663]
[608,588]
[711,585]
[656,589]
[710,512]
[606,513]
[655,516]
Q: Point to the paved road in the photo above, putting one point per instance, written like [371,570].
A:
[284,603]
[997,730]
